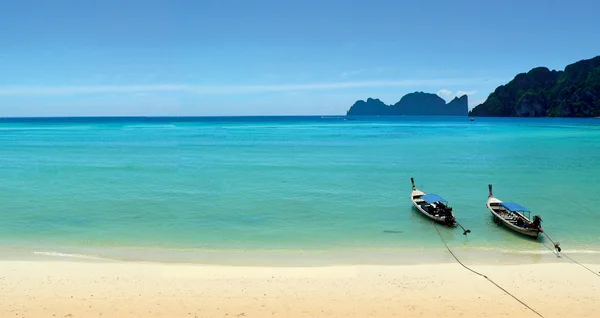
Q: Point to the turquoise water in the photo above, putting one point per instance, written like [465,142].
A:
[287,183]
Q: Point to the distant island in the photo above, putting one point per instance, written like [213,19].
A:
[574,92]
[417,103]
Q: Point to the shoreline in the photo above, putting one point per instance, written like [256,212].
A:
[88,289]
[296,258]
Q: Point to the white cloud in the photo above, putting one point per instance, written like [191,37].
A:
[75,90]
[352,73]
[468,93]
[228,89]
[444,93]
[448,94]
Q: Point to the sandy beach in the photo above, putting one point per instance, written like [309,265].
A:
[112,289]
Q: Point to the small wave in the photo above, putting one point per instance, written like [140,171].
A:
[251,127]
[544,252]
[131,127]
[548,250]
[283,126]
[45,128]
[69,255]
[582,252]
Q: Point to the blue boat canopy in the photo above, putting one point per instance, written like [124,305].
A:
[514,207]
[431,198]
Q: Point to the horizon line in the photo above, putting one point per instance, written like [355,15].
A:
[217,116]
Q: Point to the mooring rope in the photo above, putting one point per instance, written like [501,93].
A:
[560,254]
[551,250]
[484,276]
[576,262]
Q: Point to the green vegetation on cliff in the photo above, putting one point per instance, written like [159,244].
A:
[574,92]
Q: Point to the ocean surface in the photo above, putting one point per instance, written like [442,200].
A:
[154,188]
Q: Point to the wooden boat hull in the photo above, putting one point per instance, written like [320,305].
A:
[415,199]
[507,219]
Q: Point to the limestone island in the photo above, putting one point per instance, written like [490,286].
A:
[413,104]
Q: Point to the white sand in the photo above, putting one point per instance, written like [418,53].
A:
[87,289]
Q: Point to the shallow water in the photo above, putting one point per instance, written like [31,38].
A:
[290,183]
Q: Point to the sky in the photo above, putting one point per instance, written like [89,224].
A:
[273,57]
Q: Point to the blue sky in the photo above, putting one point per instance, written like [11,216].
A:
[268,57]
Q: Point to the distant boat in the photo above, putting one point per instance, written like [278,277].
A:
[512,216]
[472,119]
[432,206]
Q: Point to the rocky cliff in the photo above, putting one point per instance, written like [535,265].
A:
[574,92]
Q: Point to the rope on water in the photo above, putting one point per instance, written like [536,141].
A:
[484,276]
[551,250]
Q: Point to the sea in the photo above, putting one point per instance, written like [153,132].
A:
[291,190]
